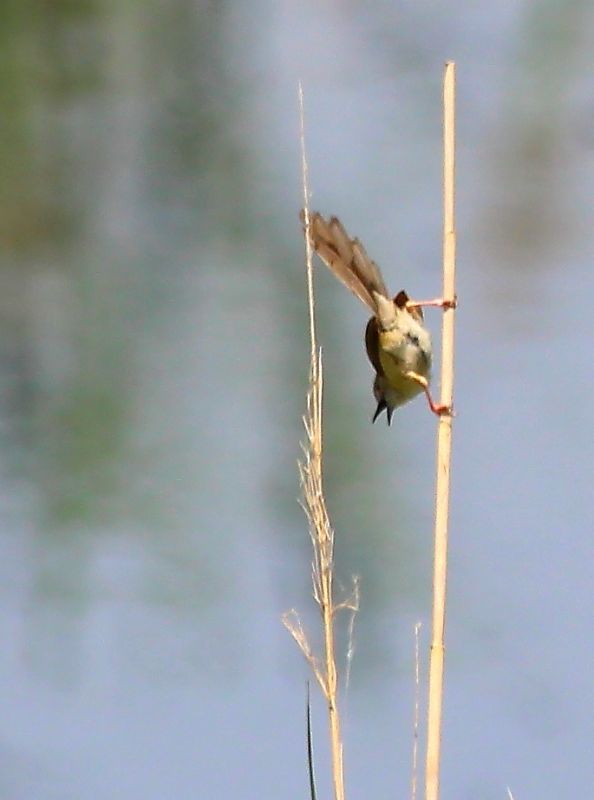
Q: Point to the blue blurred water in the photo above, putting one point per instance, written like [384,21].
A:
[153,363]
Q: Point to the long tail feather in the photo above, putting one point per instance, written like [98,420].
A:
[346,258]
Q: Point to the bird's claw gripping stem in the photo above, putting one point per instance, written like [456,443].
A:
[437,302]
[439,409]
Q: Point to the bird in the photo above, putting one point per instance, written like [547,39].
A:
[397,342]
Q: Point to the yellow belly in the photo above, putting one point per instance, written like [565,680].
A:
[403,389]
[397,356]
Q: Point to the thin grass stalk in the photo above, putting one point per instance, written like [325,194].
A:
[320,528]
[332,678]
[310,758]
[444,448]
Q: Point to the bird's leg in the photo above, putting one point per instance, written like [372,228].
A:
[438,408]
[437,302]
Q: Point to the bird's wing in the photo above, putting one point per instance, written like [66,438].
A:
[400,301]
[372,345]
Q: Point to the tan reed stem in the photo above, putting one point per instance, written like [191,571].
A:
[444,448]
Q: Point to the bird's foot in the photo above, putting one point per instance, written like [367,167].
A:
[439,409]
[437,302]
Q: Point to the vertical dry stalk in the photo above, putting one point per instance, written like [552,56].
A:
[320,529]
[444,448]
[322,537]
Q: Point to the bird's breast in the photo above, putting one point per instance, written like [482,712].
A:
[405,349]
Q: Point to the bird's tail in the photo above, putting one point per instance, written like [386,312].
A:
[347,259]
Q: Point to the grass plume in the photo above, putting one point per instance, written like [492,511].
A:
[320,528]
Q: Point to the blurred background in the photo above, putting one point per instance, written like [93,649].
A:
[153,365]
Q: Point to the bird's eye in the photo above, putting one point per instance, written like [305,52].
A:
[413,339]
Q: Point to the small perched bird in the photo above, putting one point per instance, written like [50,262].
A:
[397,342]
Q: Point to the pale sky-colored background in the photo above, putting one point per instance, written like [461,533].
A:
[153,363]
